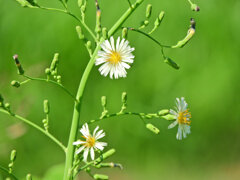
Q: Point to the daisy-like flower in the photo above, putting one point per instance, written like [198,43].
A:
[115,59]
[182,116]
[90,143]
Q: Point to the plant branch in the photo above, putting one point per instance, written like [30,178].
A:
[36,127]
[48,81]
[6,171]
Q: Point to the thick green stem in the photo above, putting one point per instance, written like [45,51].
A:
[76,112]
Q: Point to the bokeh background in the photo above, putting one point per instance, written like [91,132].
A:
[208,78]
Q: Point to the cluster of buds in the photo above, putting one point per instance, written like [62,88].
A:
[53,69]
[46,109]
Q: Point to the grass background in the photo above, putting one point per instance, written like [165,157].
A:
[208,79]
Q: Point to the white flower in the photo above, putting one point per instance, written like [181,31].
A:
[115,59]
[90,143]
[182,116]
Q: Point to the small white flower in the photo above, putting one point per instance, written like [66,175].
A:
[115,59]
[182,116]
[90,143]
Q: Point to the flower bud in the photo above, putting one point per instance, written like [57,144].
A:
[47,71]
[15,83]
[152,128]
[7,105]
[100,177]
[148,11]
[46,106]
[104,101]
[29,177]
[80,3]
[124,33]
[105,155]
[54,62]
[169,117]
[18,64]
[124,97]
[89,44]
[105,33]
[79,32]
[195,7]
[171,63]
[163,112]
[13,155]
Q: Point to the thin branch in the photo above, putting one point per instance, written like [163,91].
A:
[6,171]
[36,127]
[49,81]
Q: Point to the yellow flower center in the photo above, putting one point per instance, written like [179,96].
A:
[114,58]
[90,141]
[183,117]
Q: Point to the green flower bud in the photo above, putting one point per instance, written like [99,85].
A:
[124,97]
[171,63]
[80,33]
[47,71]
[105,33]
[104,101]
[89,44]
[80,3]
[105,155]
[148,11]
[100,177]
[55,62]
[29,177]
[15,83]
[46,107]
[18,64]
[152,128]
[7,105]
[163,112]
[13,155]
[124,33]
[169,117]
[59,77]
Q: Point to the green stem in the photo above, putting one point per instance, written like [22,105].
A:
[75,17]
[6,171]
[36,127]
[49,81]
[117,114]
[76,112]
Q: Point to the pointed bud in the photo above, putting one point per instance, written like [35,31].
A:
[105,33]
[105,155]
[18,64]
[100,177]
[171,63]
[104,101]
[15,83]
[29,177]
[79,32]
[124,33]
[152,128]
[13,155]
[55,62]
[124,97]
[46,106]
[80,3]
[148,11]
[169,117]
[163,112]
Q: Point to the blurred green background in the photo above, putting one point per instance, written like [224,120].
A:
[208,79]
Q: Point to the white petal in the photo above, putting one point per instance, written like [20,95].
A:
[112,43]
[85,130]
[78,142]
[85,154]
[92,153]
[100,145]
[117,44]
[80,149]
[95,130]
[99,134]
